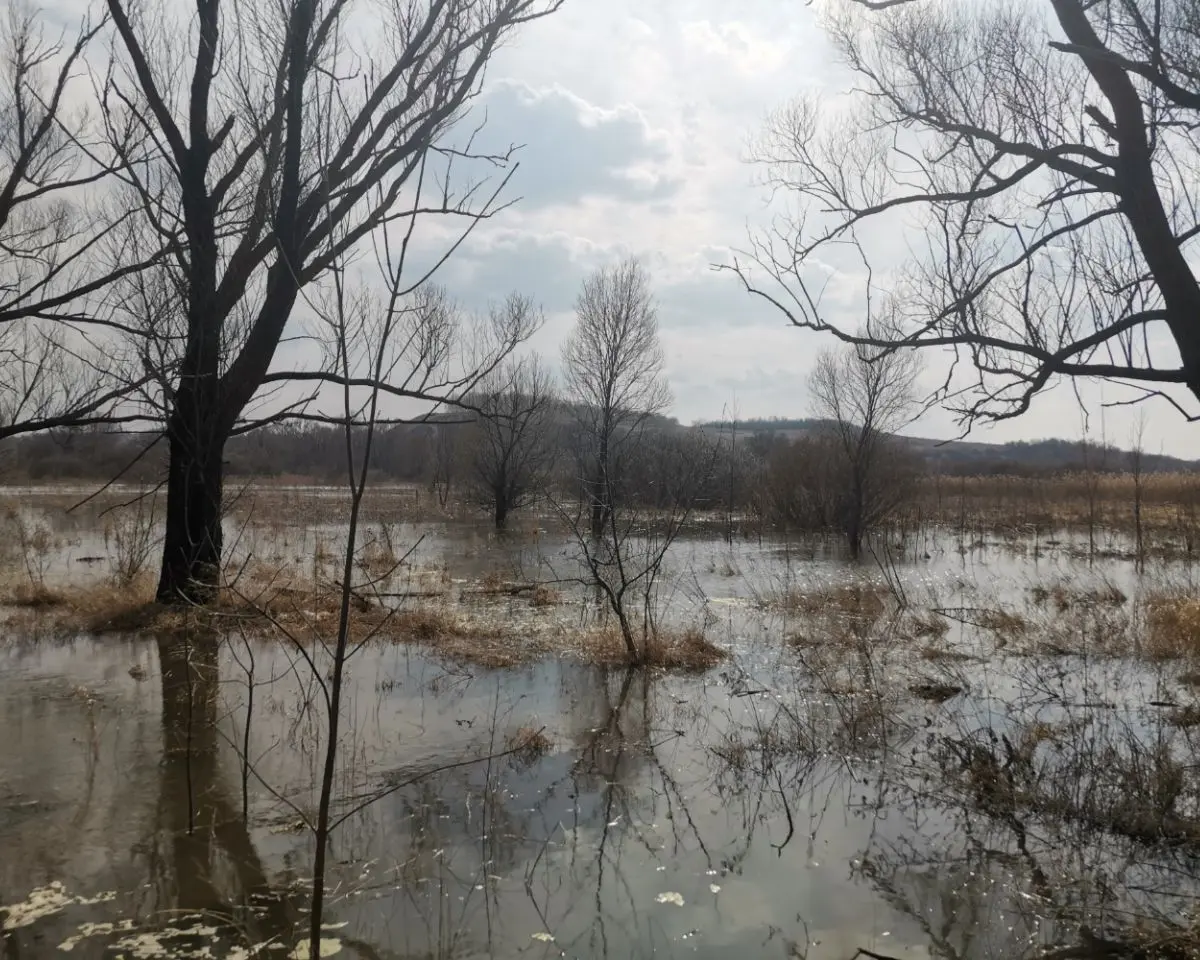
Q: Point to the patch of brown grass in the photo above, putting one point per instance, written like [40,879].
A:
[934,691]
[82,609]
[739,749]
[858,601]
[528,744]
[1188,716]
[260,602]
[926,623]
[1172,626]
[686,649]
[33,596]
[544,596]
[1064,597]
[1004,622]
[458,637]
[935,654]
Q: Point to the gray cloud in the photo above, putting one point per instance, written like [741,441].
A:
[573,149]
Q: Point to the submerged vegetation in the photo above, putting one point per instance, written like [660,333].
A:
[1051,706]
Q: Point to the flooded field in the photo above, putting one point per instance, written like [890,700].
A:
[963,749]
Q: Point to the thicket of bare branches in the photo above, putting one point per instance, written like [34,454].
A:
[58,254]
[514,441]
[865,399]
[625,560]
[1046,153]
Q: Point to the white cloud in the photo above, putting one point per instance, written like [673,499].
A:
[635,119]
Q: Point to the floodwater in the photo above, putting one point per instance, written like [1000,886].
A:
[796,801]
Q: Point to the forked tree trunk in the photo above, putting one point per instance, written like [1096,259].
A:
[192,542]
[598,517]
[501,511]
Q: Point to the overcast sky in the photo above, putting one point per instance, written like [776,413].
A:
[635,119]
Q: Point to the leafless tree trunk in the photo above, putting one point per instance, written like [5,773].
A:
[734,478]
[866,396]
[1091,459]
[1046,153]
[514,446]
[269,142]
[1137,450]
[612,368]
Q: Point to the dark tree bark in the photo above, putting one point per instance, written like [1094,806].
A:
[192,536]
[292,142]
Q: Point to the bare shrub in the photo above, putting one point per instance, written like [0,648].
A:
[133,539]
[36,542]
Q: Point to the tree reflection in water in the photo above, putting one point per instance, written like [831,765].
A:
[790,822]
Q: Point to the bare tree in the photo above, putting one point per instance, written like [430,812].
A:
[514,443]
[613,371]
[625,561]
[866,397]
[446,459]
[268,143]
[1047,152]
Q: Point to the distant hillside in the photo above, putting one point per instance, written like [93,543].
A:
[975,457]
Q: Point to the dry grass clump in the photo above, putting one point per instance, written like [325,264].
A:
[686,649]
[1172,626]
[544,596]
[926,623]
[741,749]
[935,691]
[1064,597]
[1111,781]
[858,601]
[33,596]
[528,744]
[936,654]
[260,601]
[378,559]
[1188,716]
[1003,622]
[458,637]
[87,609]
